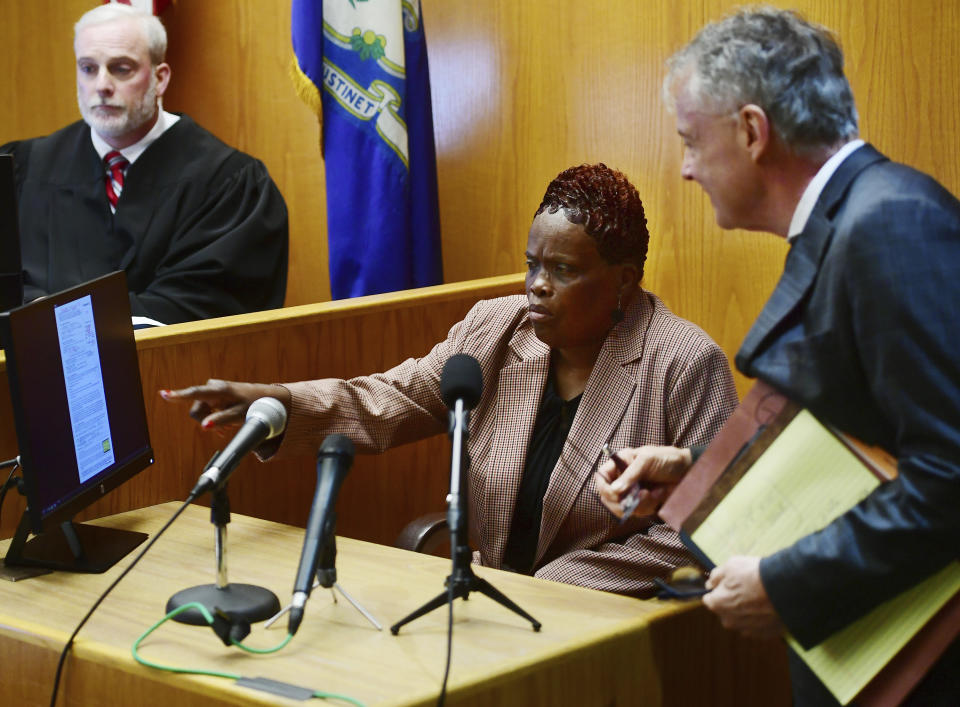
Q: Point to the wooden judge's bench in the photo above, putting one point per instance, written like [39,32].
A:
[690,657]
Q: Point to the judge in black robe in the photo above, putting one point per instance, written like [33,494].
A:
[200,228]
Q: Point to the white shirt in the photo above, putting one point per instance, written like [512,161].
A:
[812,193]
[165,121]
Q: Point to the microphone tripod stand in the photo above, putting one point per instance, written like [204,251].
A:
[327,578]
[245,601]
[461,580]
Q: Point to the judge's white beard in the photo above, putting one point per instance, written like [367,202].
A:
[131,119]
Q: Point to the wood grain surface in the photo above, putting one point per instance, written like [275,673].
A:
[520,91]
[594,648]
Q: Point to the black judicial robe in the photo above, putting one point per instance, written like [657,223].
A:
[200,228]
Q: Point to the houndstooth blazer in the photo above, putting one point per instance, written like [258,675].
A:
[658,380]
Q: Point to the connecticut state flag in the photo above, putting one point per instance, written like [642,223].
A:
[362,65]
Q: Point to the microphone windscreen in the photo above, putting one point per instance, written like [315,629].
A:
[270,412]
[339,445]
[461,379]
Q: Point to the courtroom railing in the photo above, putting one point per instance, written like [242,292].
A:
[338,339]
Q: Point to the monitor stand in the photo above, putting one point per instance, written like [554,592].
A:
[72,547]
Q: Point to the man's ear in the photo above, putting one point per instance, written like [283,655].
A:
[754,130]
[163,78]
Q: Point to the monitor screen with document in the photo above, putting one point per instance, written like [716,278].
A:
[77,400]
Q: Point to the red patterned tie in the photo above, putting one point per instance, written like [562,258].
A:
[116,165]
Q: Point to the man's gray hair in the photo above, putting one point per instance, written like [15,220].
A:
[791,68]
[153,29]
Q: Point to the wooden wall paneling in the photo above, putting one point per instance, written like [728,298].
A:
[520,91]
[334,339]
[36,53]
[524,90]
[750,671]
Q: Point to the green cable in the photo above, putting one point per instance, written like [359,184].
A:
[230,676]
[169,668]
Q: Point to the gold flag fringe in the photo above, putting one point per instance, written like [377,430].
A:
[309,94]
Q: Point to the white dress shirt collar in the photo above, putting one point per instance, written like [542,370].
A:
[165,121]
[812,193]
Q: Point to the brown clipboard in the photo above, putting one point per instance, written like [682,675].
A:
[749,431]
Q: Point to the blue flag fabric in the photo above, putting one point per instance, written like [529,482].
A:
[362,65]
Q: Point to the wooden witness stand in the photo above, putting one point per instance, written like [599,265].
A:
[685,658]
[747,434]
[596,648]
[338,339]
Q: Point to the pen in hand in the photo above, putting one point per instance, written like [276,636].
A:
[632,500]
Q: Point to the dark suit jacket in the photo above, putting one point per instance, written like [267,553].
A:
[863,328]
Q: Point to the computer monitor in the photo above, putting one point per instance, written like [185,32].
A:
[80,420]
[11,270]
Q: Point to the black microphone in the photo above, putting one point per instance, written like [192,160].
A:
[266,418]
[461,379]
[461,385]
[333,463]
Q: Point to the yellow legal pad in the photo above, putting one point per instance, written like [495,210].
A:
[805,479]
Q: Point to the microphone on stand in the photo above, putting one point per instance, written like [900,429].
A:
[461,385]
[266,418]
[333,463]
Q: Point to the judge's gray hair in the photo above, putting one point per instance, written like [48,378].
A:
[153,29]
[775,59]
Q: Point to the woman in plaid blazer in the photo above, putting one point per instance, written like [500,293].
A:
[587,357]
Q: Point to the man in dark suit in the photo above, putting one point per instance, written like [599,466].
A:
[863,327]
